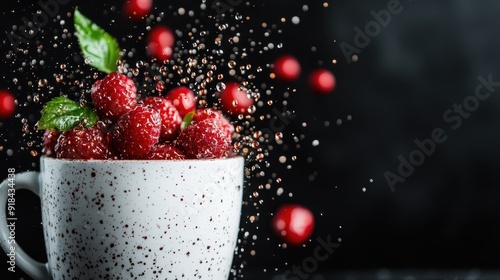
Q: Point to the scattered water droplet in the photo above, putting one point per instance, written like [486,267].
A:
[160,86]
[220,86]
[278,136]
[42,82]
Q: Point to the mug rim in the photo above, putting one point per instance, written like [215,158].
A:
[44,157]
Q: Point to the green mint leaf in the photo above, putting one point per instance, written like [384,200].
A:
[62,114]
[99,48]
[187,119]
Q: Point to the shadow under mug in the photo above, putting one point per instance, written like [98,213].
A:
[126,219]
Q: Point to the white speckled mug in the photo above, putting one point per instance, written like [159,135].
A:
[133,219]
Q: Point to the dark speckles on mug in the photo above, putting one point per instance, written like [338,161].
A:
[141,219]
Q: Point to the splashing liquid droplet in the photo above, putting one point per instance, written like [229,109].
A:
[278,136]
[160,86]
[220,86]
[42,83]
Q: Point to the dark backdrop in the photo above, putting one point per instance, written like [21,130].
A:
[427,58]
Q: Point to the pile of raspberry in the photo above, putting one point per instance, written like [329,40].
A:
[146,129]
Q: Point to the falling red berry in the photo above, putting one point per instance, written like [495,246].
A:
[114,95]
[170,118]
[49,142]
[207,113]
[137,9]
[322,81]
[287,68]
[206,139]
[293,223]
[183,100]
[7,104]
[164,151]
[236,100]
[161,42]
[83,143]
[136,132]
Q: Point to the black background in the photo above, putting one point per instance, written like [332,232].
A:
[446,215]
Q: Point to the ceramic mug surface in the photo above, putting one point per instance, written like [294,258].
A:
[151,219]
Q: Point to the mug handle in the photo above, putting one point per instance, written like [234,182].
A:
[28,181]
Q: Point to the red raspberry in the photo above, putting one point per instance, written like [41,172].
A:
[136,132]
[205,139]
[183,99]
[287,68]
[235,99]
[83,143]
[114,95]
[7,104]
[207,113]
[161,41]
[164,151]
[293,223]
[170,118]
[49,142]
[137,9]
[322,81]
